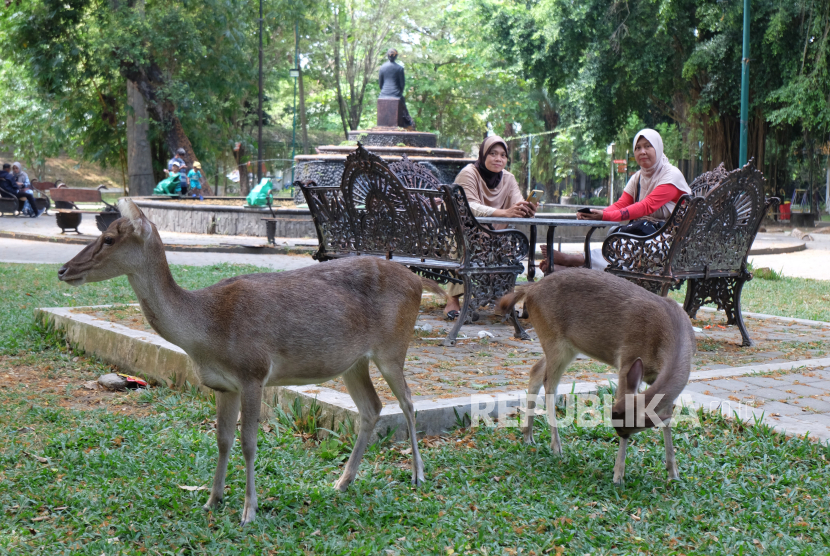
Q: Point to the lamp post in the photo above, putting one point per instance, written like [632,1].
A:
[259,111]
[744,87]
[295,73]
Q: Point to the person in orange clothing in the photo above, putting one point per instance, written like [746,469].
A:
[647,201]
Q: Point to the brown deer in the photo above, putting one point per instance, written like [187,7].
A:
[648,338]
[244,333]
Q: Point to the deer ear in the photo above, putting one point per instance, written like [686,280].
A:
[634,377]
[131,211]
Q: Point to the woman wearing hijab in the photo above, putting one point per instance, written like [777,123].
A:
[21,178]
[491,191]
[647,201]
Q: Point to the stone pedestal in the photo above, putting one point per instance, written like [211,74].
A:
[389,112]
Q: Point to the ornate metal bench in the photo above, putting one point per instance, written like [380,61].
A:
[399,211]
[705,241]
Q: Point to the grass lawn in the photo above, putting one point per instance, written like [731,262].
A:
[101,473]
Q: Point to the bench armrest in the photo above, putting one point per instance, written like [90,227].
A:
[486,247]
[651,254]
[328,211]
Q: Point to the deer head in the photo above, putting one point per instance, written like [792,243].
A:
[633,412]
[120,250]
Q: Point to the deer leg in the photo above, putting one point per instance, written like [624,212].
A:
[227,410]
[392,371]
[537,378]
[360,388]
[671,464]
[554,369]
[251,403]
[619,465]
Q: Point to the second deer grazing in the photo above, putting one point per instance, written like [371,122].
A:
[289,328]
[646,337]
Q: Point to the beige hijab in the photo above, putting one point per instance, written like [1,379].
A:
[661,173]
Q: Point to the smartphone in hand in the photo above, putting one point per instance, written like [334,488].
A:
[584,211]
[535,196]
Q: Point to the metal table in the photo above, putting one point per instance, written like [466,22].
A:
[551,224]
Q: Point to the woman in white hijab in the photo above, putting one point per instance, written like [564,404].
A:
[21,178]
[648,199]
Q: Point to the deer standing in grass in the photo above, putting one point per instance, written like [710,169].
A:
[277,329]
[646,337]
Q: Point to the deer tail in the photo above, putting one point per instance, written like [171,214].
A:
[434,287]
[508,301]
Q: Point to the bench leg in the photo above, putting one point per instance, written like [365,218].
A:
[736,317]
[465,308]
[518,332]
[723,292]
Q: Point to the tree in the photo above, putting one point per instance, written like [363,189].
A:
[33,127]
[191,65]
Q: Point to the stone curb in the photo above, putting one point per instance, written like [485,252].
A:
[262,249]
[793,247]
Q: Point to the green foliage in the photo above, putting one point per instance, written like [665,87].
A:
[32,125]
[298,420]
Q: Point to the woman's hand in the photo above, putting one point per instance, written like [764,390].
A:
[595,214]
[522,209]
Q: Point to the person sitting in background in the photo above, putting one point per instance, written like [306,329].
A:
[195,178]
[647,201]
[9,183]
[491,191]
[21,178]
[177,159]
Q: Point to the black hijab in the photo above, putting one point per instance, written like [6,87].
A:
[491,179]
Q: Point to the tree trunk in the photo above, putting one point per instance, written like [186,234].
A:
[139,155]
[244,183]
[341,104]
[303,121]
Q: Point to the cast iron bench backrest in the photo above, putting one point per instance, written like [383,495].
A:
[727,211]
[381,209]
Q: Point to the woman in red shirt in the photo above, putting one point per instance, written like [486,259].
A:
[650,195]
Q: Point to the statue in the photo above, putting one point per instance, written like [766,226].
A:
[392,110]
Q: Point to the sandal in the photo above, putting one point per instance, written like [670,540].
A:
[451,315]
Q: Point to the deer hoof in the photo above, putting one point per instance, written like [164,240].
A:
[248,516]
[211,504]
[342,484]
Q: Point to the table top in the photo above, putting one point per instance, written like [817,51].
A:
[545,221]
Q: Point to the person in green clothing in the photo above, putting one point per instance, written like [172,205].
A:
[195,178]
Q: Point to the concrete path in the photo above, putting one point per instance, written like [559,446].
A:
[22,251]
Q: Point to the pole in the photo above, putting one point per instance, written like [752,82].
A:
[529,161]
[259,112]
[827,185]
[744,87]
[294,123]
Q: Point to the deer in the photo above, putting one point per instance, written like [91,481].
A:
[247,332]
[646,337]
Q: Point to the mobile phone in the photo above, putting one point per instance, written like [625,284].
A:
[584,211]
[535,196]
